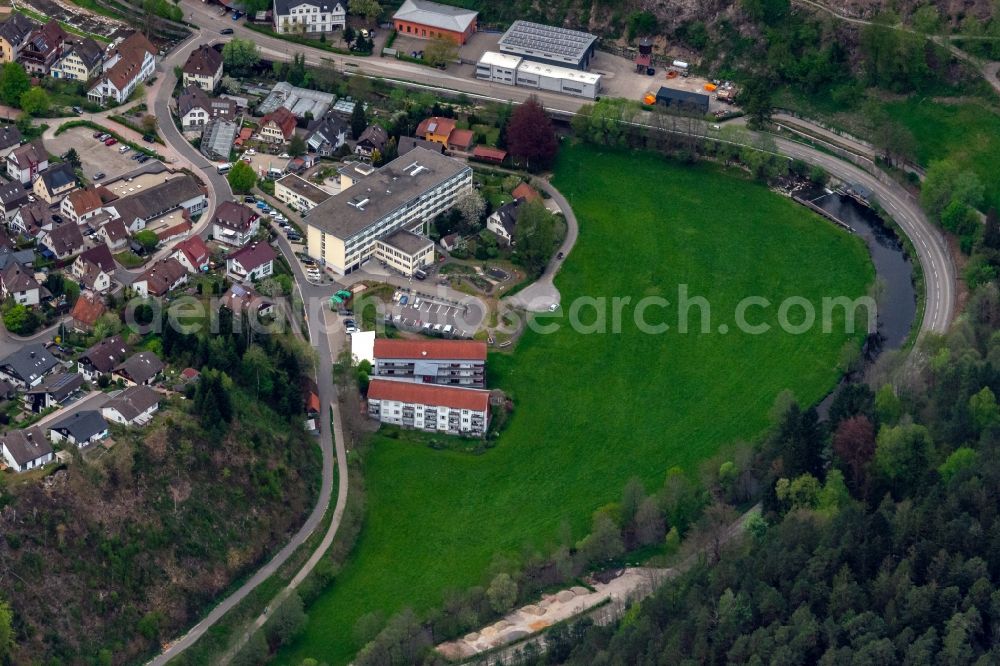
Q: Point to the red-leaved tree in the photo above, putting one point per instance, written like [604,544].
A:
[854,443]
[531,138]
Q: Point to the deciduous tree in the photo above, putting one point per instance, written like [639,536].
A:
[440,51]
[240,56]
[35,102]
[14,82]
[241,177]
[370,9]
[531,138]
[502,593]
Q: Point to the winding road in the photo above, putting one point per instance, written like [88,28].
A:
[328,336]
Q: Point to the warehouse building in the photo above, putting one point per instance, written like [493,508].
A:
[683,100]
[514,71]
[428,20]
[341,232]
[549,44]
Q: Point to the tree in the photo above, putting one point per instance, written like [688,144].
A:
[149,123]
[6,630]
[19,319]
[854,444]
[983,408]
[14,82]
[947,184]
[240,56]
[649,525]
[73,158]
[641,24]
[961,459]
[440,51]
[534,236]
[531,137]
[287,622]
[903,452]
[296,71]
[241,177]
[231,85]
[359,120]
[147,239]
[604,541]
[471,205]
[370,9]
[502,593]
[35,102]
[755,98]
[297,146]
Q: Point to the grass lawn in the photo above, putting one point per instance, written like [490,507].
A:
[968,133]
[594,410]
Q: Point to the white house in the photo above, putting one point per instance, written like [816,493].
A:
[25,162]
[130,63]
[235,224]
[429,407]
[253,262]
[80,61]
[299,17]
[80,429]
[26,449]
[133,406]
[18,283]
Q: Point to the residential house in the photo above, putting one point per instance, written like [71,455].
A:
[435,129]
[327,135]
[55,182]
[196,108]
[373,138]
[243,300]
[24,163]
[447,362]
[160,278]
[135,210]
[83,204]
[235,224]
[193,254]
[18,283]
[451,241]
[253,262]
[102,358]
[526,192]
[175,231]
[115,234]
[299,193]
[449,409]
[461,140]
[27,366]
[277,126]
[94,269]
[305,17]
[10,138]
[32,218]
[81,60]
[43,47]
[129,63]
[80,428]
[12,196]
[13,35]
[408,143]
[203,68]
[503,220]
[86,311]
[141,368]
[26,449]
[54,390]
[133,406]
[430,20]
[9,254]
[63,240]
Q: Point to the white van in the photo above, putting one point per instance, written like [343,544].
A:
[224,168]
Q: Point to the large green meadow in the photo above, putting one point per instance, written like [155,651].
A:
[593,410]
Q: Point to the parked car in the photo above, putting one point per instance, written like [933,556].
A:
[98,175]
[559,255]
[249,200]
[124,149]
[226,31]
[77,110]
[110,142]
[98,134]
[104,136]
[149,138]
[143,159]
[403,300]
[237,15]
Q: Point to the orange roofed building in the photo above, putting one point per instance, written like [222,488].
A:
[457,411]
[444,362]
[428,20]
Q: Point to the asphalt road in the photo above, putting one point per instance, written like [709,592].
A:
[324,339]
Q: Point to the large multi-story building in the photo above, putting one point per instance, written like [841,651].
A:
[299,193]
[447,362]
[516,71]
[404,194]
[305,17]
[448,409]
[129,63]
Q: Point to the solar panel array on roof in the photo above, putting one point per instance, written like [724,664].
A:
[548,38]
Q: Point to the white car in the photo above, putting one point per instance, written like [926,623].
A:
[251,151]
[284,156]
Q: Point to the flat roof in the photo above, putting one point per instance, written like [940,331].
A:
[388,189]
[304,188]
[526,35]
[407,242]
[496,59]
[557,72]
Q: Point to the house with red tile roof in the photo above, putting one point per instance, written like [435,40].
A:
[253,262]
[160,278]
[526,192]
[277,126]
[449,362]
[82,204]
[461,140]
[86,311]
[435,129]
[488,154]
[193,254]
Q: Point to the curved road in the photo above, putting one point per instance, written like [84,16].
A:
[932,250]
[326,338]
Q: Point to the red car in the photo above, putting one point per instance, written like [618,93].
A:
[110,142]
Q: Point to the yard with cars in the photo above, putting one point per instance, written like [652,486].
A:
[435,519]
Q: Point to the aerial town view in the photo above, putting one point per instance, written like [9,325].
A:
[392,332]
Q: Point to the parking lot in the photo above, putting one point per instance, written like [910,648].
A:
[95,157]
[433,315]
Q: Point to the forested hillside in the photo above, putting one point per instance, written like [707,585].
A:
[881,543]
[104,559]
